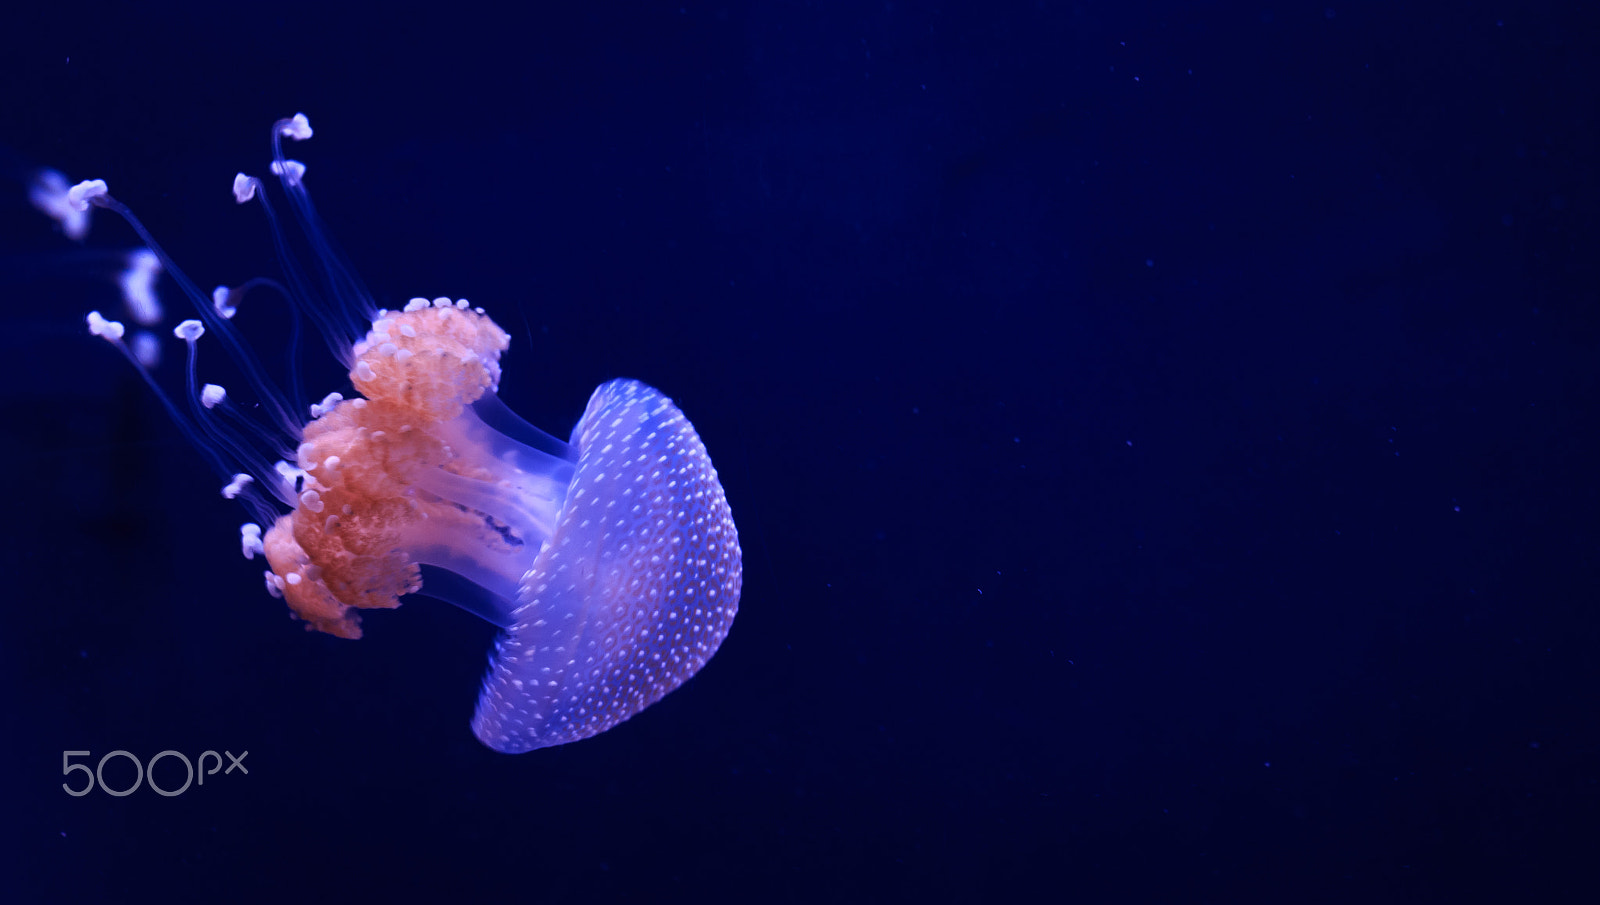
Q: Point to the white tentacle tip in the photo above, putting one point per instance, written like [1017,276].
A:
[110,331]
[296,127]
[292,171]
[222,300]
[249,532]
[48,192]
[244,187]
[81,195]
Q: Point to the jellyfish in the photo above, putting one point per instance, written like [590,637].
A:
[610,561]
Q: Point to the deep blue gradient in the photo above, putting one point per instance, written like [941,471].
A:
[1161,437]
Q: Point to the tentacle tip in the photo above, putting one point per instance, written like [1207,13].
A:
[108,330]
[244,187]
[296,127]
[48,192]
[292,171]
[80,196]
[222,301]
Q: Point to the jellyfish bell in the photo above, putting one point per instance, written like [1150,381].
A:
[610,561]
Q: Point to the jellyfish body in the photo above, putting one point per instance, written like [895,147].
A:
[635,590]
[611,562]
